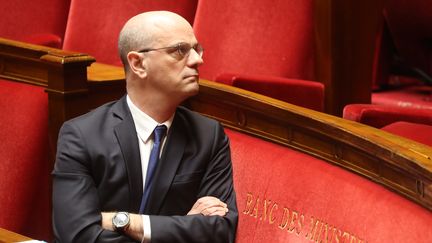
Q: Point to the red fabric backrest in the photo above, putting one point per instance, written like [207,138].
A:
[94,25]
[25,182]
[257,37]
[288,196]
[38,22]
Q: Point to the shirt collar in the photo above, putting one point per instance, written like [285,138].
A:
[144,124]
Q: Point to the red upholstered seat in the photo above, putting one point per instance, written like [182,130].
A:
[288,196]
[93,25]
[415,96]
[272,39]
[381,115]
[405,33]
[417,132]
[25,183]
[38,22]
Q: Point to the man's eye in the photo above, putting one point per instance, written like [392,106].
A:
[184,49]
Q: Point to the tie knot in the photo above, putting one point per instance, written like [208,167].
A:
[159,133]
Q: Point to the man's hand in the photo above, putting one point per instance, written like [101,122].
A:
[209,206]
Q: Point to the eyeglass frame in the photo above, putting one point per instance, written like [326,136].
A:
[197,48]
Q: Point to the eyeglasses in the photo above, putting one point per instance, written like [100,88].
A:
[182,48]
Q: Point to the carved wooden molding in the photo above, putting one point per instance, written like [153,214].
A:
[397,163]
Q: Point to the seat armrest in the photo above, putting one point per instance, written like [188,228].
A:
[305,93]
[381,115]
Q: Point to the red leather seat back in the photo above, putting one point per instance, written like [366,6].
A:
[287,196]
[256,37]
[25,182]
[94,25]
[38,22]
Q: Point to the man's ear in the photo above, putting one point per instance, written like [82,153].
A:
[136,64]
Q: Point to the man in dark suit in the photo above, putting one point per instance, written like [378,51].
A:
[119,178]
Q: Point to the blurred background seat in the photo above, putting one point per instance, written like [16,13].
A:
[262,46]
[403,60]
[401,99]
[38,22]
[93,26]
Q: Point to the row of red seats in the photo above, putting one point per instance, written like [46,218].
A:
[257,38]
[401,101]
[255,45]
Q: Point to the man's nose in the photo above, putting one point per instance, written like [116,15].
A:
[194,58]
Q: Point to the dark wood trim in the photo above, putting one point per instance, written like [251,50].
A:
[346,32]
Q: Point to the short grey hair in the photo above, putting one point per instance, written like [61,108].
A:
[134,36]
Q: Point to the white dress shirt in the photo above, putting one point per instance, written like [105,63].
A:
[144,126]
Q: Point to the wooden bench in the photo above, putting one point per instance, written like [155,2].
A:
[300,175]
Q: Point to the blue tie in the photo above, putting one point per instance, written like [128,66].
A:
[159,133]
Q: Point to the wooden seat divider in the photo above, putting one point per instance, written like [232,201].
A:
[300,175]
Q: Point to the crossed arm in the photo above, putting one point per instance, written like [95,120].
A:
[77,202]
[207,206]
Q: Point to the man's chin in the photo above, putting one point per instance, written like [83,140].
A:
[192,89]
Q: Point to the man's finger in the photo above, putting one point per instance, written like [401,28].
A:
[205,205]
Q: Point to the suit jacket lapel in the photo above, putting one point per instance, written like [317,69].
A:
[167,166]
[126,135]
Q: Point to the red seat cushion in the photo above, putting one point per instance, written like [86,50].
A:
[417,132]
[25,183]
[418,96]
[287,196]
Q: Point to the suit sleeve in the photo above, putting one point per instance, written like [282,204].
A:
[217,182]
[76,210]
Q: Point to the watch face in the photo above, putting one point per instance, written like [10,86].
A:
[121,219]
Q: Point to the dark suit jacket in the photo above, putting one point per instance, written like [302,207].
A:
[98,169]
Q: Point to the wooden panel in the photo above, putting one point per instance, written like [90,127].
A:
[361,162]
[346,33]
[23,70]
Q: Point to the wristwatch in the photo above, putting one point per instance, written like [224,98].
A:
[121,221]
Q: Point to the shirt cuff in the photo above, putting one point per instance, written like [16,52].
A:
[146,229]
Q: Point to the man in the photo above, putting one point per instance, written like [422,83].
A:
[119,178]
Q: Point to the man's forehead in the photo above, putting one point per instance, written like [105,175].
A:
[175,35]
